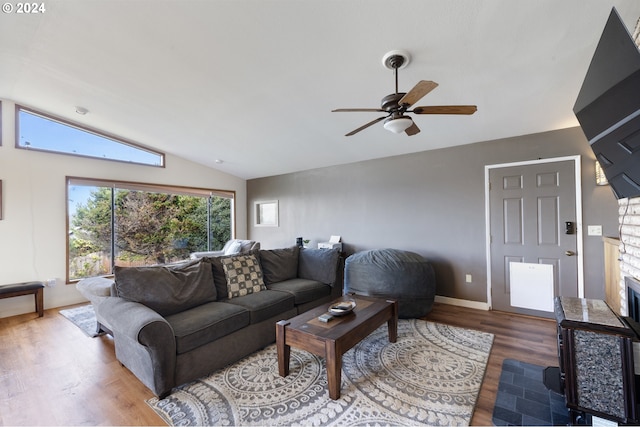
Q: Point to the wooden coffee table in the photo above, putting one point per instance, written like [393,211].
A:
[332,339]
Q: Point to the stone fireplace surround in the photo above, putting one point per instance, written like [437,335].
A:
[633,297]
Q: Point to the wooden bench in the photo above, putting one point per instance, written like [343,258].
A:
[26,288]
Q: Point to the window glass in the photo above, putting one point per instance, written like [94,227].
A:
[127,224]
[37,132]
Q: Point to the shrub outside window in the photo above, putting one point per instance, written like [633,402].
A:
[113,223]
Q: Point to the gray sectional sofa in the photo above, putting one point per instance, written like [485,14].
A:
[174,324]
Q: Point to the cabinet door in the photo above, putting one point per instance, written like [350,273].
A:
[599,378]
[599,375]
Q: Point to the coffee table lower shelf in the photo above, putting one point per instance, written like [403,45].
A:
[332,339]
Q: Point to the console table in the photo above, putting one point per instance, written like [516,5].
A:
[595,348]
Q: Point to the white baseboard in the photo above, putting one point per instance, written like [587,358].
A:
[463,303]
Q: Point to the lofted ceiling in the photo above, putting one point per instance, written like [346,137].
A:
[247,86]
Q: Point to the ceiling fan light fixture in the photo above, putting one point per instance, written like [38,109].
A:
[397,125]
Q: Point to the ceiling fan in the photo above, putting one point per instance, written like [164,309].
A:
[398,104]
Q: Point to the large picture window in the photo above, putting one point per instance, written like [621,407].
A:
[131,224]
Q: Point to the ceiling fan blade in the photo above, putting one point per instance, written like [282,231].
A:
[371,123]
[348,110]
[412,130]
[419,90]
[446,109]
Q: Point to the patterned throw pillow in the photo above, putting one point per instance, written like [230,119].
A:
[244,275]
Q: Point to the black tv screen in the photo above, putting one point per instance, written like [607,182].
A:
[608,107]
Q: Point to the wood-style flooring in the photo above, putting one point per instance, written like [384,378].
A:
[53,374]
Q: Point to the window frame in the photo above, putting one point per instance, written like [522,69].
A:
[139,186]
[87,129]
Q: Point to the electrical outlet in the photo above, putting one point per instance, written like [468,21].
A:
[468,278]
[50,282]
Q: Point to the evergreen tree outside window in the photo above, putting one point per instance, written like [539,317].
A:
[131,224]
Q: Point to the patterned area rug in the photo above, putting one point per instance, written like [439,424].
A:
[430,376]
[83,317]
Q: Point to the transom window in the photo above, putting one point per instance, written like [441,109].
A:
[36,131]
[113,223]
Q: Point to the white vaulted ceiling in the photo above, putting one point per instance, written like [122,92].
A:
[253,82]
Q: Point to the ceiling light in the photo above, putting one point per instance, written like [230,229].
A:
[398,125]
[81,110]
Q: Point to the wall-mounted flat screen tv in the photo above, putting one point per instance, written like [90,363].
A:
[608,107]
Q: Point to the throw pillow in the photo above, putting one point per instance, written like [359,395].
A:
[279,265]
[219,276]
[244,275]
[233,248]
[319,264]
[167,289]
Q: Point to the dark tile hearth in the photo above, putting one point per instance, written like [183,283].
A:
[523,399]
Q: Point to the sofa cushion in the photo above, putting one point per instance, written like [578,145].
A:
[279,264]
[265,305]
[319,264]
[243,274]
[219,278]
[303,290]
[167,289]
[205,323]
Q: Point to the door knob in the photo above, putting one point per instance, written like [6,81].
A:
[569,253]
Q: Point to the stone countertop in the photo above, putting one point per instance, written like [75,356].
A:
[590,311]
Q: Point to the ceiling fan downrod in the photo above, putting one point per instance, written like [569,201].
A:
[395,72]
[395,62]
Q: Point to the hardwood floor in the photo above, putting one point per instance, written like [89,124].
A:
[53,374]
[528,339]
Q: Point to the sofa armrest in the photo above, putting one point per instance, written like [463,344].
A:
[197,255]
[319,264]
[144,342]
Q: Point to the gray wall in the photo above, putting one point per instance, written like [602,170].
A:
[430,202]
